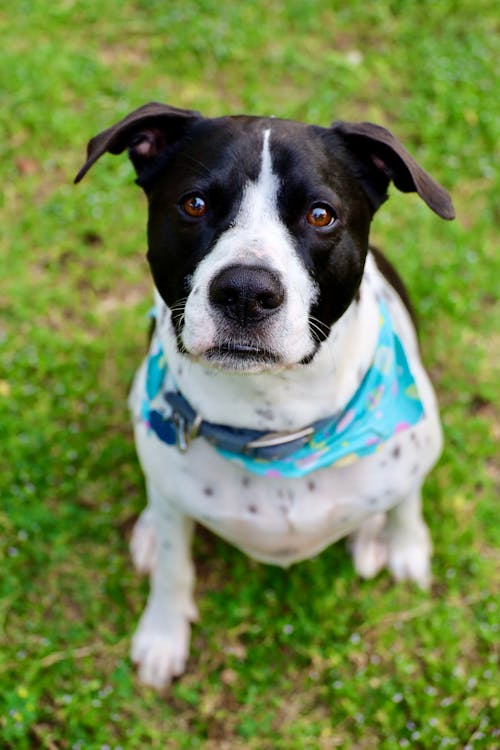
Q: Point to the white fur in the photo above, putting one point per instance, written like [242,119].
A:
[281,521]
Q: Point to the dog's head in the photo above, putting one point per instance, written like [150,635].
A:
[258,227]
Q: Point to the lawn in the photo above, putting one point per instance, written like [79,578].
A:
[309,658]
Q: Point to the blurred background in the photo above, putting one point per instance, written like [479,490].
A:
[306,658]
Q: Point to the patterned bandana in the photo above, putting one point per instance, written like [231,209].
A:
[386,403]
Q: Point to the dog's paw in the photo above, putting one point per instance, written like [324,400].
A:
[369,547]
[143,544]
[370,558]
[410,559]
[160,652]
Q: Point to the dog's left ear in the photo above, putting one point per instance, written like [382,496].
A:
[382,159]
[147,133]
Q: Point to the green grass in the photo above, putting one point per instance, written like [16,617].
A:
[311,657]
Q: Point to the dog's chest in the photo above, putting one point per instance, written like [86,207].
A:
[276,520]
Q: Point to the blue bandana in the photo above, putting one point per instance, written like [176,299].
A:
[386,402]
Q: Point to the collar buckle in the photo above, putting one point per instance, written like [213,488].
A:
[182,436]
[185,432]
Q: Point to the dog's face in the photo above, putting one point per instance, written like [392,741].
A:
[258,228]
[257,239]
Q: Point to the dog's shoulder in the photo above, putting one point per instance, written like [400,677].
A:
[390,274]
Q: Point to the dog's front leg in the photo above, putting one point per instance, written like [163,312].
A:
[398,539]
[160,645]
[408,541]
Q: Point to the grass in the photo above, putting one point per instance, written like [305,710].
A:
[312,657]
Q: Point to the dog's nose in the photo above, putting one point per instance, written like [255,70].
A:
[247,294]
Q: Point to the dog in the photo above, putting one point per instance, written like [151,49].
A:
[283,403]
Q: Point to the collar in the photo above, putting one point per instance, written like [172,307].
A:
[386,402]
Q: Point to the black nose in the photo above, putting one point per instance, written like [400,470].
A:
[247,294]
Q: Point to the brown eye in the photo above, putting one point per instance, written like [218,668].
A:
[321,215]
[194,205]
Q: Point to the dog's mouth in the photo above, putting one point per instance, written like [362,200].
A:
[241,356]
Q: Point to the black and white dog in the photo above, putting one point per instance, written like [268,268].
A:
[283,403]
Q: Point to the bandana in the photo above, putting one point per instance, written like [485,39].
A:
[386,403]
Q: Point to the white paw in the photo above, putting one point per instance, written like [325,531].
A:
[370,557]
[369,547]
[143,544]
[410,559]
[161,651]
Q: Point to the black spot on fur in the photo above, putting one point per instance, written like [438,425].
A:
[311,485]
[245,481]
[396,451]
[265,412]
[253,509]
[286,552]
[208,491]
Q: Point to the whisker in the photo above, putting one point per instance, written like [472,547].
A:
[178,314]
[178,305]
[320,326]
[319,330]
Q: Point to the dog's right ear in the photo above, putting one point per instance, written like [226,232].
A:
[147,133]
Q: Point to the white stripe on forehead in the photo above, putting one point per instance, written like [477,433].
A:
[266,166]
[259,197]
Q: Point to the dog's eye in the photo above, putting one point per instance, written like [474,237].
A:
[194,205]
[321,215]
